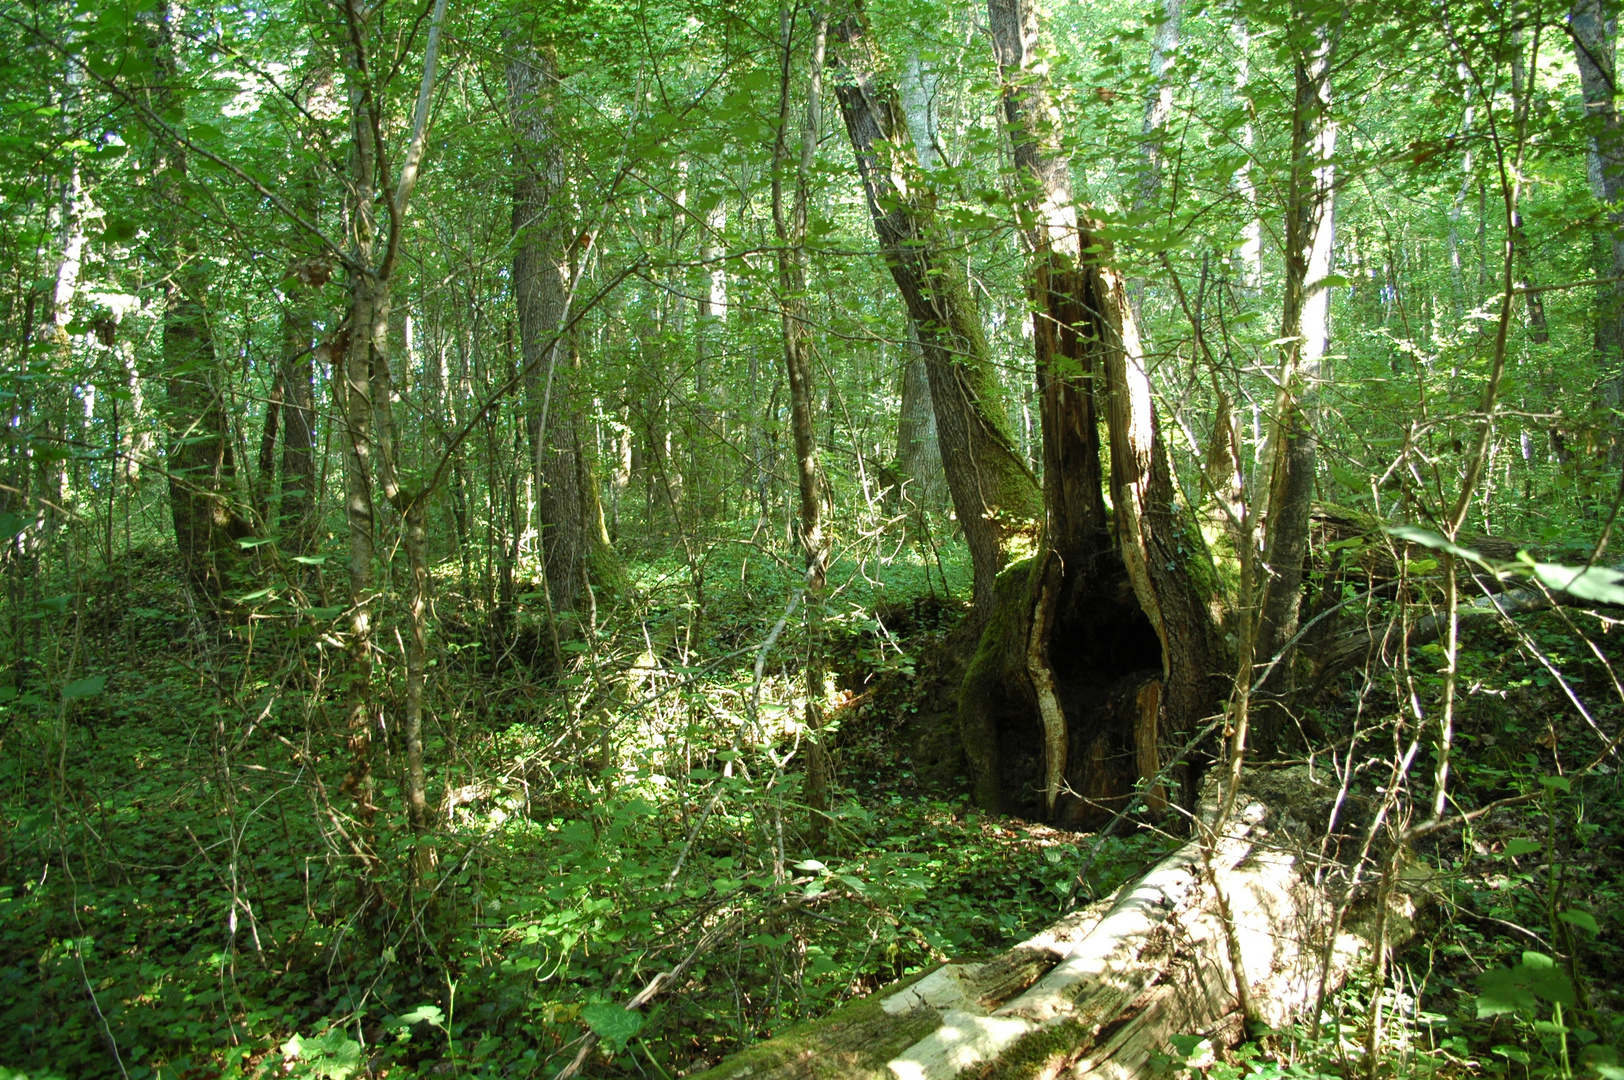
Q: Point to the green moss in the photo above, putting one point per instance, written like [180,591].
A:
[1003,642]
[1042,1053]
[852,1043]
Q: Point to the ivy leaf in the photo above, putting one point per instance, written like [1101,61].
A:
[613,1024]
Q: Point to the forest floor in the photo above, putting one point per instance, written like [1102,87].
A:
[181,896]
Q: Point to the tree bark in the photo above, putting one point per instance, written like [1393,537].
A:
[1101,992]
[1594,50]
[919,457]
[201,464]
[790,226]
[568,518]
[994,493]
[1305,337]
[1106,649]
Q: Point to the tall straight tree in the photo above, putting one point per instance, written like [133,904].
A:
[366,395]
[1594,50]
[1305,333]
[789,225]
[569,518]
[201,462]
[994,493]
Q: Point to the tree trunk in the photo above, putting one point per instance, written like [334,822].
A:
[1594,50]
[201,465]
[790,226]
[919,457]
[1305,337]
[1104,649]
[994,493]
[568,520]
[1102,992]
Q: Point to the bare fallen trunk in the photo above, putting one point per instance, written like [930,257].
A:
[1101,992]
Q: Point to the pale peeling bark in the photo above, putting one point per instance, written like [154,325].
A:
[1100,993]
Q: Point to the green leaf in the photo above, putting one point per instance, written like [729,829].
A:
[1429,539]
[1597,583]
[11,525]
[1582,919]
[333,1056]
[425,1014]
[1521,846]
[310,560]
[83,688]
[248,542]
[613,1024]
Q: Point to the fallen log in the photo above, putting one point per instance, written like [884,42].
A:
[1101,992]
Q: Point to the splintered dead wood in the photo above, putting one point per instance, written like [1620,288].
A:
[1101,992]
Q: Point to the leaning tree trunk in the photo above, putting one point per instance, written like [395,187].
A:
[1102,992]
[1100,653]
[994,494]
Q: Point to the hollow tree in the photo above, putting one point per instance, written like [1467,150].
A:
[1101,651]
[994,493]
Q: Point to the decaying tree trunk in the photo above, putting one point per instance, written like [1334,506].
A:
[1101,651]
[1099,993]
[994,494]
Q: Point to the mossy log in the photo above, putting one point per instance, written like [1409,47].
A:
[1101,992]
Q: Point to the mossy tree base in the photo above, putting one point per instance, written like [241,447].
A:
[1106,663]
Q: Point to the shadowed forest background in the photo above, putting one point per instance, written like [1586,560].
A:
[570,538]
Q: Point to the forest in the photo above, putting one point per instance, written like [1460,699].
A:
[815,540]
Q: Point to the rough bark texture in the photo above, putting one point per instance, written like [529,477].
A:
[1100,652]
[1304,333]
[1594,51]
[1100,993]
[568,518]
[994,494]
[202,467]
